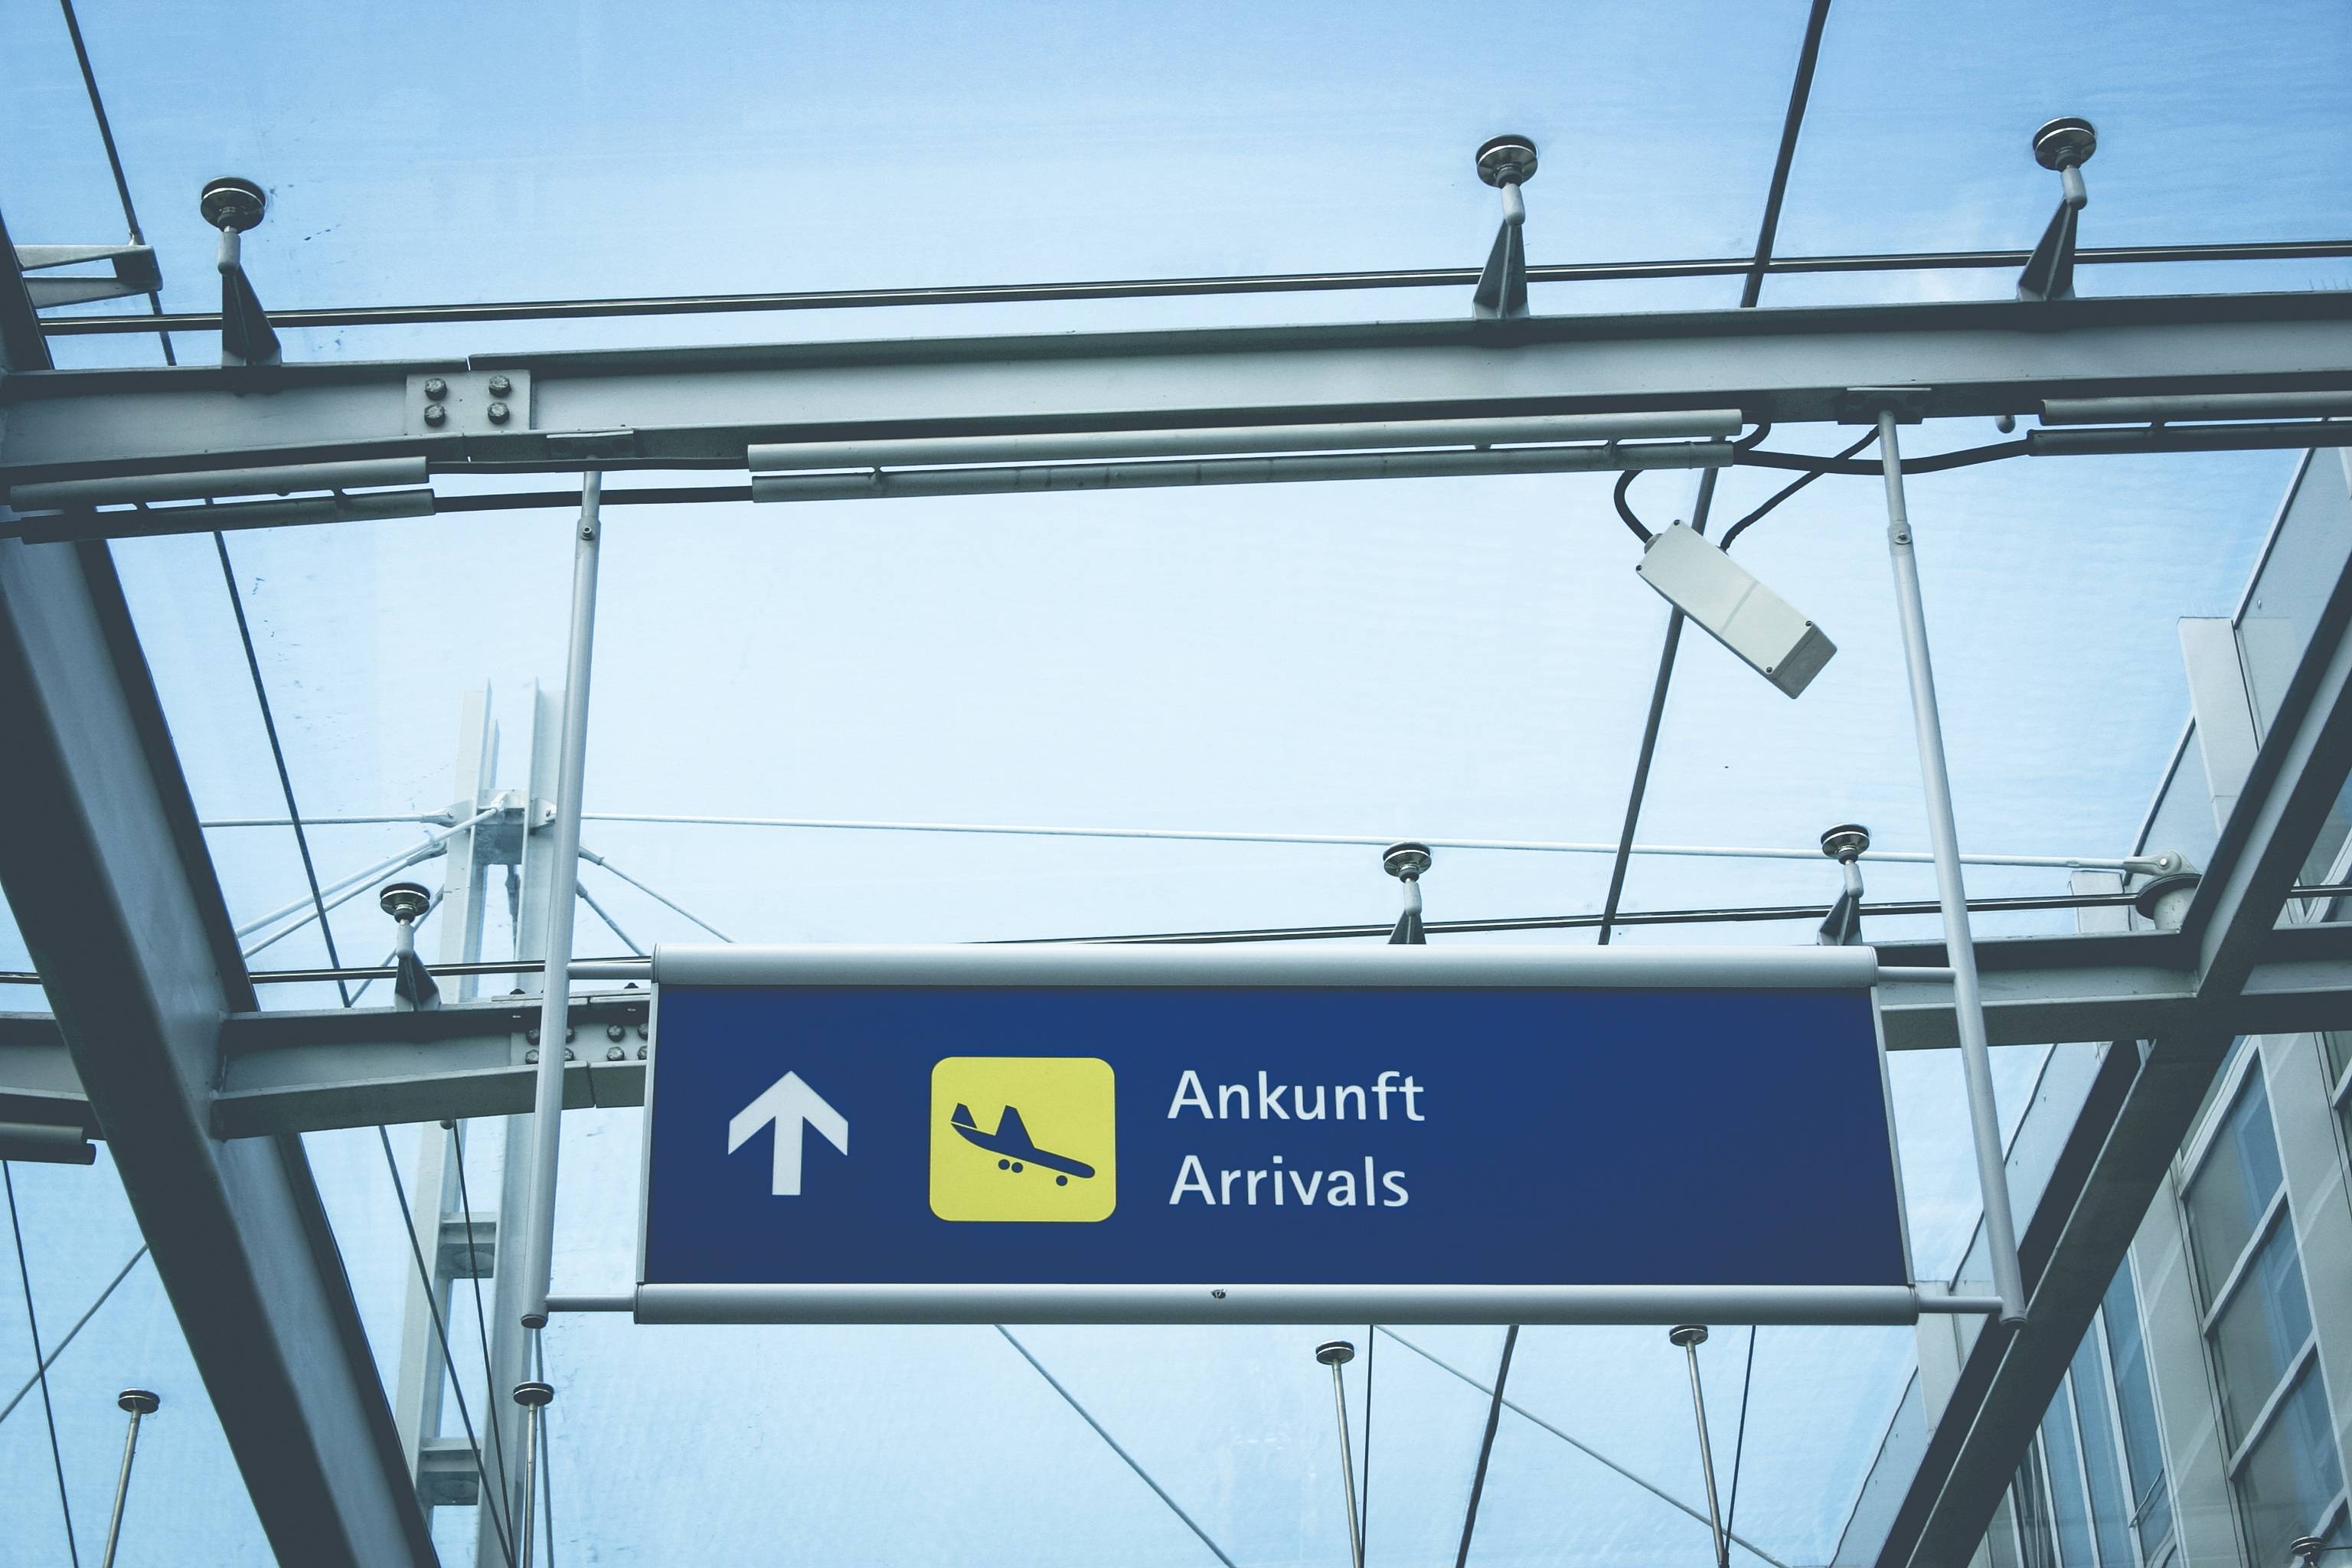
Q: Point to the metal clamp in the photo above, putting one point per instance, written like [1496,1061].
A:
[2064,145]
[1506,162]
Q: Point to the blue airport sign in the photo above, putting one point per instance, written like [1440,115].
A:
[964,1134]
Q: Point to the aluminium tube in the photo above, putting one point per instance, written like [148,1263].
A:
[1968,1004]
[536,1258]
[1053,479]
[1063,445]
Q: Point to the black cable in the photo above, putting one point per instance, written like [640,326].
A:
[32,1324]
[1740,1442]
[481,1316]
[1747,443]
[113,160]
[278,754]
[1785,492]
[1966,458]
[441,1331]
[1625,483]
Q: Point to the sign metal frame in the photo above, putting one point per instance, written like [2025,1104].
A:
[1101,966]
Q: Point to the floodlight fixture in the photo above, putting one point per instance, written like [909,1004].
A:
[1767,634]
[2063,146]
[1506,162]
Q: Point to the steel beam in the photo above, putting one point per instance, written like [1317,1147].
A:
[306,1071]
[119,905]
[2121,1145]
[689,407]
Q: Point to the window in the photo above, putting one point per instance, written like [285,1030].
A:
[2135,1409]
[2094,1477]
[2283,1463]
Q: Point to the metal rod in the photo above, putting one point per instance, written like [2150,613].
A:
[632,967]
[1690,1336]
[1968,1004]
[1153,287]
[408,856]
[2140,863]
[547,1107]
[138,1402]
[1321,468]
[533,1397]
[1077,445]
[1335,1354]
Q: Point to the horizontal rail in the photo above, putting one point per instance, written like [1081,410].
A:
[1164,288]
[1078,444]
[1245,1303]
[1319,467]
[2148,863]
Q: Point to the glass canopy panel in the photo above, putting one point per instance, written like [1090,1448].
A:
[1919,135]
[745,147]
[105,1325]
[370,640]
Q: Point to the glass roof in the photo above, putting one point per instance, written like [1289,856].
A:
[1466,659]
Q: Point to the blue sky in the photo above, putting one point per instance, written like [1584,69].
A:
[1441,658]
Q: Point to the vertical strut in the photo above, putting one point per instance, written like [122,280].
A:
[538,1230]
[1968,1005]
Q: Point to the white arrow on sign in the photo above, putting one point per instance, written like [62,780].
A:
[790,1103]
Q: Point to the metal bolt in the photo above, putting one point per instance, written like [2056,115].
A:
[435,415]
[435,389]
[567,1055]
[532,1035]
[641,1052]
[642,1033]
[615,1054]
[500,386]
[531,1055]
[615,1031]
[568,1035]
[497,412]
[1217,1294]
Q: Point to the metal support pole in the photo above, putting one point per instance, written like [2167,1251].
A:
[1335,1354]
[138,1402]
[538,1229]
[534,1398]
[1968,1004]
[1690,1336]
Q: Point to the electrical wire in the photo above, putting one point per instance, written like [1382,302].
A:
[1935,463]
[1625,483]
[441,1333]
[24,1273]
[1737,529]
